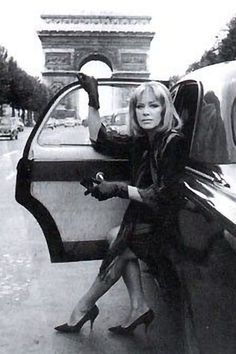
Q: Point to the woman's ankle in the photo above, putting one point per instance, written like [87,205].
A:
[77,314]
[84,306]
[139,307]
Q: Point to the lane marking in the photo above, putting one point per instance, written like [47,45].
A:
[9,153]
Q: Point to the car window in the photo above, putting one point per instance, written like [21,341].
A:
[210,143]
[4,121]
[186,98]
[8,121]
[66,122]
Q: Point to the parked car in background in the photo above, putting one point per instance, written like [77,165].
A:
[75,229]
[120,122]
[69,122]
[20,125]
[51,123]
[8,127]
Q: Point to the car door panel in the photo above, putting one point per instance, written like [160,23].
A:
[88,219]
[48,184]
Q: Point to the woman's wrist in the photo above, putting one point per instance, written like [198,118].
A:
[134,193]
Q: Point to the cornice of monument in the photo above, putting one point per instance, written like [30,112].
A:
[103,18]
[96,23]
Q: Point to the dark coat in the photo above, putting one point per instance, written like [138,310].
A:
[157,171]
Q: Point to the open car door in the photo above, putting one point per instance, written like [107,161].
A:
[57,155]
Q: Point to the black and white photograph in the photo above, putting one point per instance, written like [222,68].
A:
[118,177]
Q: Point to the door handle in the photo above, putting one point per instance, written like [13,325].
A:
[99,176]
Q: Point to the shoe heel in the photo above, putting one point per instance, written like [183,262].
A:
[148,321]
[91,324]
[146,327]
[144,319]
[93,316]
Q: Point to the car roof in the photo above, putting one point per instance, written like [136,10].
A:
[215,74]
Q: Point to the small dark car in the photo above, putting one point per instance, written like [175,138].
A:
[8,127]
[54,162]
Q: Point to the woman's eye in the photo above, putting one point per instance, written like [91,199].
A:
[154,105]
[139,106]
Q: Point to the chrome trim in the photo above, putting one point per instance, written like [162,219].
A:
[201,174]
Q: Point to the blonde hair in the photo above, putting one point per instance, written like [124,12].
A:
[170,118]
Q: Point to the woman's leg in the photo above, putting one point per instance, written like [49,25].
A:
[99,288]
[132,278]
[125,265]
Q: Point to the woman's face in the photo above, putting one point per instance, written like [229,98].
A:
[148,110]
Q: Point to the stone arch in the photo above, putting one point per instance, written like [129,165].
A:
[69,41]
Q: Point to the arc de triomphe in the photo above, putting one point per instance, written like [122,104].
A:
[70,41]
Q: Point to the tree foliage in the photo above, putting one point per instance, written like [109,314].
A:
[173,79]
[225,50]
[19,89]
[4,82]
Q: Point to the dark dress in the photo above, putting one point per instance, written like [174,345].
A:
[149,228]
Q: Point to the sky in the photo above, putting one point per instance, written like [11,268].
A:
[184,28]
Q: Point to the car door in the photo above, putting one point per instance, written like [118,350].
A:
[56,160]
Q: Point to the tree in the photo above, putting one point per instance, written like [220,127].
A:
[173,79]
[225,50]
[26,92]
[208,58]
[15,84]
[227,47]
[4,79]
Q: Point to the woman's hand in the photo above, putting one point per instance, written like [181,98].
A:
[103,190]
[90,85]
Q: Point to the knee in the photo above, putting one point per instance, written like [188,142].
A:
[127,255]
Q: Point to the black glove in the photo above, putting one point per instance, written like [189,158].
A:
[105,190]
[88,184]
[90,85]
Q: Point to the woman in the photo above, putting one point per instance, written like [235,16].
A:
[149,226]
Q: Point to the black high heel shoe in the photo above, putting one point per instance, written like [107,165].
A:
[89,316]
[145,319]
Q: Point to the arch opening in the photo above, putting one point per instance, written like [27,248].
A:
[97,66]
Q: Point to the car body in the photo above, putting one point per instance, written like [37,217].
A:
[8,127]
[52,166]
[20,125]
[206,100]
